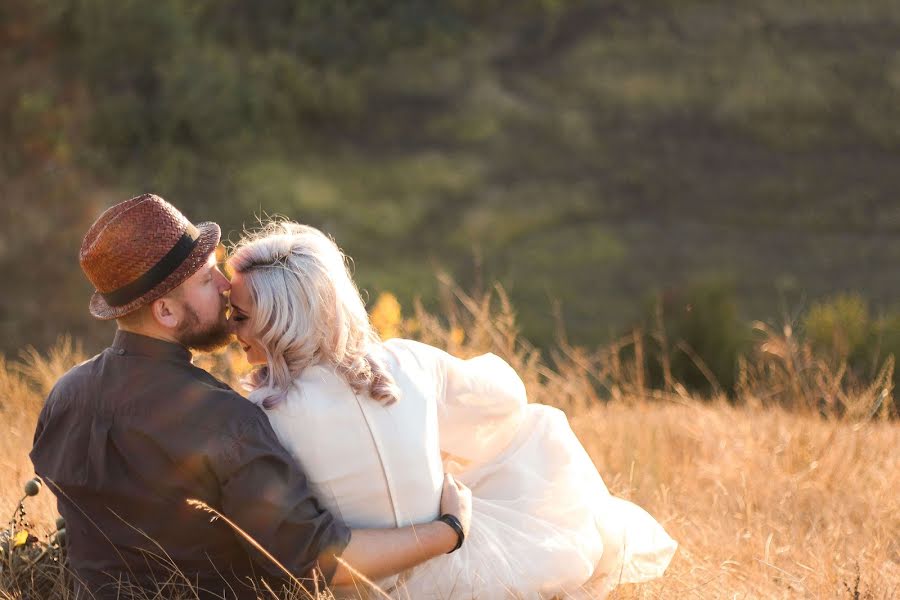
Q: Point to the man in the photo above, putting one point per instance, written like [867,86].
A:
[126,438]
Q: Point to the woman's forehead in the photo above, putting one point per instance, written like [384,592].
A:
[240,295]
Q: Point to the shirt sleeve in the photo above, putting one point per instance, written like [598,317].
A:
[480,401]
[39,427]
[266,494]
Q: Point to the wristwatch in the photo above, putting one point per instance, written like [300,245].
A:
[457,527]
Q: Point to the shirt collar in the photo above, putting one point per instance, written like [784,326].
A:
[127,342]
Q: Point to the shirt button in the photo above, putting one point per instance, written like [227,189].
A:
[120,352]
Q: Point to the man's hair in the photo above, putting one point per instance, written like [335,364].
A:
[135,319]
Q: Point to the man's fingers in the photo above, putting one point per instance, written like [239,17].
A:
[450,480]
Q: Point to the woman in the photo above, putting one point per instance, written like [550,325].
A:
[375,426]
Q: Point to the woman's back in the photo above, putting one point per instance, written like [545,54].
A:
[372,465]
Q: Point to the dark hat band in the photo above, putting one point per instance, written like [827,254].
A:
[157,273]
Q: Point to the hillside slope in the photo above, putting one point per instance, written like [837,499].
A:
[585,152]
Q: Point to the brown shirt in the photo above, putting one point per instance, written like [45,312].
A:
[127,437]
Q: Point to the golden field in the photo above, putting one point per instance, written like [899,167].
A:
[765,502]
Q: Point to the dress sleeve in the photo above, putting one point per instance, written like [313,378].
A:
[480,402]
[266,494]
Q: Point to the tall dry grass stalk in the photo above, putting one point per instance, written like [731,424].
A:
[787,490]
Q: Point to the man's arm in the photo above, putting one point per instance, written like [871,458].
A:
[377,553]
[265,493]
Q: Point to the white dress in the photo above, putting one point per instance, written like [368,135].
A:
[543,522]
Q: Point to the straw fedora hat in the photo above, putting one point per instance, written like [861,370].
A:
[138,251]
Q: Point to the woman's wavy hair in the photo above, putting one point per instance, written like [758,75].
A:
[307,311]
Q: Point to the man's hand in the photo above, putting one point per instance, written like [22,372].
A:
[377,553]
[456,500]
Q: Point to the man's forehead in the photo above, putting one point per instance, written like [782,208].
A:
[210,262]
[205,268]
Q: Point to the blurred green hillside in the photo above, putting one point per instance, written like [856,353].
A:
[585,153]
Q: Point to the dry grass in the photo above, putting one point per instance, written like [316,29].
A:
[767,501]
[765,504]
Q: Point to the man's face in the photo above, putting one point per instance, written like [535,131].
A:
[204,324]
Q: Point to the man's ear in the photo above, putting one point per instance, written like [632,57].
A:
[166,311]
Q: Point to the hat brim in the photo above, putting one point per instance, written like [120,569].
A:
[210,234]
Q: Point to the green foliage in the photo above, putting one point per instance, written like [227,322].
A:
[697,337]
[31,567]
[700,332]
[843,330]
[839,327]
[581,153]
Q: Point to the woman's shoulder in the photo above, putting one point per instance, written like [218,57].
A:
[406,345]
[405,350]
[317,384]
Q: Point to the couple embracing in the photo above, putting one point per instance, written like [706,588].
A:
[428,474]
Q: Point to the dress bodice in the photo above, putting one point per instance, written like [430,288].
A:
[381,466]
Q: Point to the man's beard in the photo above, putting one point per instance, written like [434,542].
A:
[205,338]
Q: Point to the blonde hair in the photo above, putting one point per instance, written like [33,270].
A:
[307,311]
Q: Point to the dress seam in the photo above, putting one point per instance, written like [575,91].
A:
[380,452]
